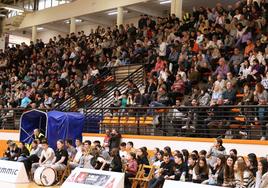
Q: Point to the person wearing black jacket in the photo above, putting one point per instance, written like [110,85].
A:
[165,170]
[116,163]
[180,168]
[142,156]
[115,139]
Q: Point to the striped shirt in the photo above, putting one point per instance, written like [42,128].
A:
[248,180]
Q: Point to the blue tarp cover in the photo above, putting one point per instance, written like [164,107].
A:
[57,125]
[33,119]
[64,125]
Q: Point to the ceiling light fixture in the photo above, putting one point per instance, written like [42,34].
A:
[115,12]
[164,2]
[39,28]
[76,20]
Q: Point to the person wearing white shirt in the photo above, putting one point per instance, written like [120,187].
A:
[162,51]
[245,69]
[46,158]
[264,81]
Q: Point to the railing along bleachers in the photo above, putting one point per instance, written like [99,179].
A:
[234,122]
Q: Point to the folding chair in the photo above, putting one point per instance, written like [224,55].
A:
[143,179]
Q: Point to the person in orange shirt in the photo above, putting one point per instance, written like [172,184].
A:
[249,48]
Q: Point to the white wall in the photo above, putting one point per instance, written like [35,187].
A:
[46,35]
[86,28]
[260,150]
[243,149]
[18,39]
[132,20]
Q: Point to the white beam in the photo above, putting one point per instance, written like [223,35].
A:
[75,9]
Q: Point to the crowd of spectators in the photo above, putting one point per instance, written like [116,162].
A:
[215,166]
[207,48]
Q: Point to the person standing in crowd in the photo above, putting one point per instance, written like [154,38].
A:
[115,139]
[215,151]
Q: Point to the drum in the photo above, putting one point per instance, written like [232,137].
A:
[45,176]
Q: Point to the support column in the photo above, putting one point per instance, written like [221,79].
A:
[176,8]
[120,16]
[34,33]
[72,25]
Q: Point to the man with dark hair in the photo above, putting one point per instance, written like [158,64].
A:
[130,147]
[88,142]
[70,149]
[165,170]
[96,143]
[115,139]
[46,157]
[34,157]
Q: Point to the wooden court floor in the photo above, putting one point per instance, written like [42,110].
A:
[27,185]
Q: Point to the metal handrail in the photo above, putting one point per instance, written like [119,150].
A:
[116,86]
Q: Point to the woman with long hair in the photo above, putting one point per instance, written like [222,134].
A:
[216,176]
[180,168]
[252,163]
[262,174]
[229,172]
[116,163]
[191,165]
[167,150]
[243,177]
[142,156]
[154,158]
[201,171]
